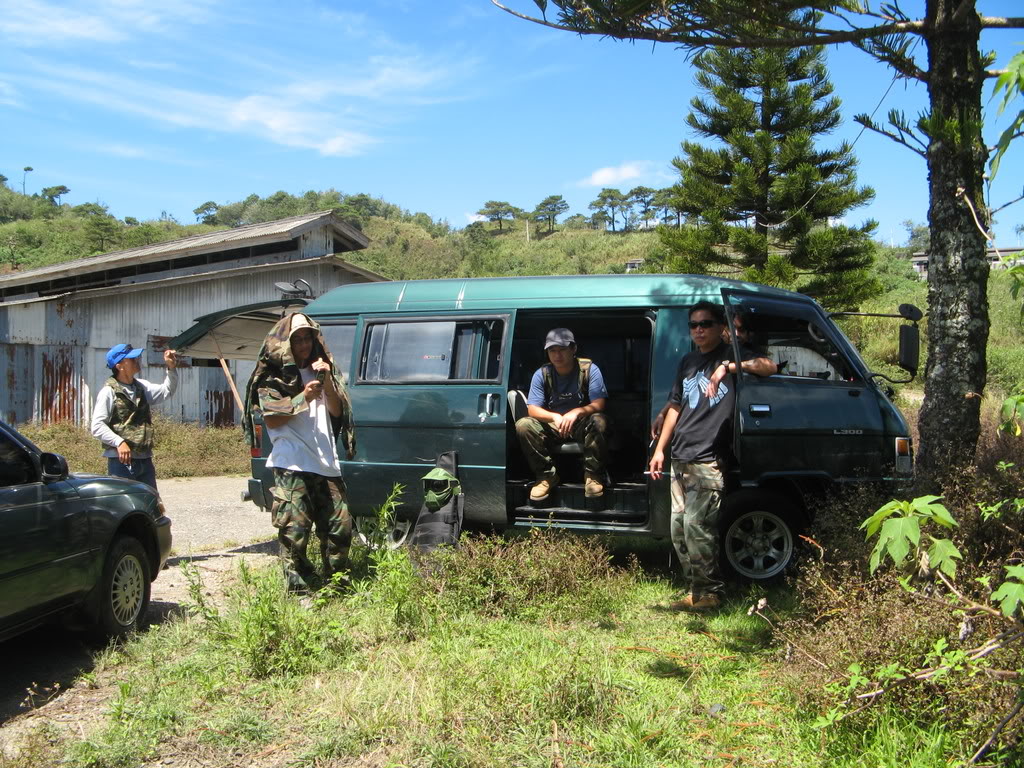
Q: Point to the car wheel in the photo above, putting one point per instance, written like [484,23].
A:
[758,535]
[124,590]
[370,533]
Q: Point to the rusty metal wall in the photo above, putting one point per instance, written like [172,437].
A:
[52,353]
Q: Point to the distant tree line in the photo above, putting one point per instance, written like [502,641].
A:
[640,208]
[38,229]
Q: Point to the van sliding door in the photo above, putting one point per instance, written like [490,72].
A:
[423,386]
[818,417]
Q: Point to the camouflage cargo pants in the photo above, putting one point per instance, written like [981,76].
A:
[302,500]
[537,437]
[696,503]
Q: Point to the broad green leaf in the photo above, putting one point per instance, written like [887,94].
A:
[1009,595]
[942,516]
[943,555]
[1015,572]
[1012,82]
[896,537]
[873,523]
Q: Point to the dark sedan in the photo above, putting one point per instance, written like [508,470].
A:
[74,544]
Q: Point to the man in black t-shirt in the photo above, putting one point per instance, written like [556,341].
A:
[699,422]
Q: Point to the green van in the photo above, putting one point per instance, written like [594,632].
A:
[434,366]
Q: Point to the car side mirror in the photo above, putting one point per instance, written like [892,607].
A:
[54,466]
[910,348]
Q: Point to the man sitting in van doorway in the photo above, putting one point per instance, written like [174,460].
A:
[566,403]
[699,424]
[306,410]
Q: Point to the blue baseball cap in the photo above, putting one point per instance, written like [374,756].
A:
[120,352]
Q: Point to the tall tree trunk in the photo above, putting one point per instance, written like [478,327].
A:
[957,269]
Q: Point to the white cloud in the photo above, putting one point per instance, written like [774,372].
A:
[474,217]
[8,95]
[277,117]
[604,177]
[120,150]
[37,23]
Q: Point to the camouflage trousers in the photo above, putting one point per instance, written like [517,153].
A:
[696,503]
[302,500]
[536,438]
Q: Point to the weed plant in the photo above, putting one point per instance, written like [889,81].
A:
[181,450]
[531,651]
[854,628]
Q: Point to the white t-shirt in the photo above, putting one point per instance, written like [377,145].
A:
[304,443]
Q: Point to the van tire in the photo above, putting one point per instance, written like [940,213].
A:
[397,535]
[758,534]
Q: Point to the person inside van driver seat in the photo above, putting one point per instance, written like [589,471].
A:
[566,403]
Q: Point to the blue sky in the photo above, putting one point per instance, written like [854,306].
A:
[435,106]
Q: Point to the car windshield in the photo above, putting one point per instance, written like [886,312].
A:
[17,436]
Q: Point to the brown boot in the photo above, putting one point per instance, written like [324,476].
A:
[543,487]
[692,604]
[593,487]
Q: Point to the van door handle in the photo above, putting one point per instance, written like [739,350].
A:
[488,406]
[760,410]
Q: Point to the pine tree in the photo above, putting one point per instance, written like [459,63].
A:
[765,199]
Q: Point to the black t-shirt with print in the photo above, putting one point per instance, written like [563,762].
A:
[703,432]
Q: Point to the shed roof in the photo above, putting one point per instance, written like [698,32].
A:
[348,238]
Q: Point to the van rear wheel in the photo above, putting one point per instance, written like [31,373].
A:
[758,535]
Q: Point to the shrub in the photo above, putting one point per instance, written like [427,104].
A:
[545,574]
[181,450]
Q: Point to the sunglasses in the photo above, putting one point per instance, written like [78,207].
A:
[701,324]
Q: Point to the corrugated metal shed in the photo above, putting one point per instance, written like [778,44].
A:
[54,338]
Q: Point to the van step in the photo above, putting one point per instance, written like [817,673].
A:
[528,514]
[622,502]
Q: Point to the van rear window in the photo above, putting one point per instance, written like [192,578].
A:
[434,350]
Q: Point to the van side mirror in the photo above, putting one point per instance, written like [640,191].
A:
[910,348]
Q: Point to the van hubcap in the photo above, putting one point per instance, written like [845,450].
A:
[759,545]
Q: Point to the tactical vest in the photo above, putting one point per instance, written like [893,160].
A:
[583,367]
[131,421]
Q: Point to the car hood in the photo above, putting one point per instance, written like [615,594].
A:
[96,486]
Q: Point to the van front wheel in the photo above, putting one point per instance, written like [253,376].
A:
[758,535]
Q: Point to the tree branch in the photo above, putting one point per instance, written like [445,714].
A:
[680,37]
[994,211]
[995,733]
[871,126]
[1001,22]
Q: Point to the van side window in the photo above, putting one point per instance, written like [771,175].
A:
[794,338]
[437,350]
[802,349]
[340,340]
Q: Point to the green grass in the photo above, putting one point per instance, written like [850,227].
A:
[510,655]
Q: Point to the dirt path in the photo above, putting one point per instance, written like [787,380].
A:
[212,528]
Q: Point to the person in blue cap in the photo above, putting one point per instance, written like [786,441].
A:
[122,420]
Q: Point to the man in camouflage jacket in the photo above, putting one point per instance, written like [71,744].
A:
[307,413]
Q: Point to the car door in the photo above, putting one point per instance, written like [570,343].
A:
[425,385]
[43,537]
[818,416]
